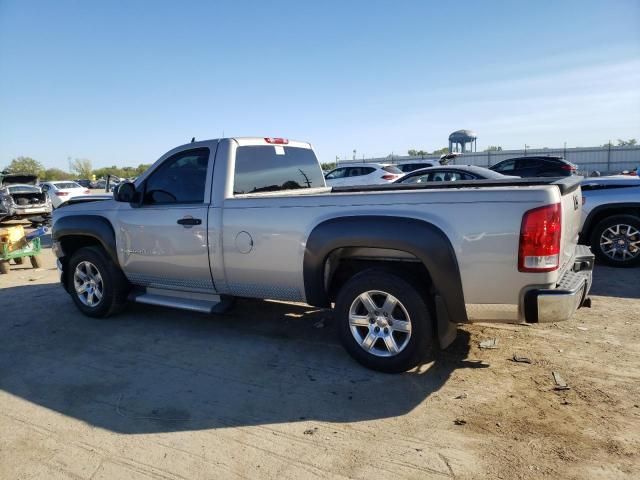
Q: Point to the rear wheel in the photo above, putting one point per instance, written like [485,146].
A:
[616,240]
[4,267]
[98,286]
[384,322]
[19,260]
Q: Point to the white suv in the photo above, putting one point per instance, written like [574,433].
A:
[363,174]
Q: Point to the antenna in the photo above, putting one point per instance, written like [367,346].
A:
[193,139]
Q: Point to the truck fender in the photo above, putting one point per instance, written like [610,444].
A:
[424,240]
[93,226]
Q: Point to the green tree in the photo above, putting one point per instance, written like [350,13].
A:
[441,151]
[143,167]
[55,174]
[417,153]
[26,165]
[627,143]
[493,148]
[81,167]
[326,166]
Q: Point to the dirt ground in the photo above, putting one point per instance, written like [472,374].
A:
[267,392]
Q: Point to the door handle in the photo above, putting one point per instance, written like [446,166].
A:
[189,221]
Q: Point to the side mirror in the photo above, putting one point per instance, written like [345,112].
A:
[125,192]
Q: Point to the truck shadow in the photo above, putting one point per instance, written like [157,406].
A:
[155,370]
[615,282]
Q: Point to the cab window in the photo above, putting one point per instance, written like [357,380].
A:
[179,179]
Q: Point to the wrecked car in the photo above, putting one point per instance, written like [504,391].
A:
[21,198]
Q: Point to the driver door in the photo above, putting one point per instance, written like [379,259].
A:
[162,242]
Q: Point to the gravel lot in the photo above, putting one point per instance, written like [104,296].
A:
[266,392]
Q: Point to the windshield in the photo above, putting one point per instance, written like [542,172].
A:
[24,189]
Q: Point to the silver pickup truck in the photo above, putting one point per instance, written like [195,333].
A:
[400,264]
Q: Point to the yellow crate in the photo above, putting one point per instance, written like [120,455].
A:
[13,237]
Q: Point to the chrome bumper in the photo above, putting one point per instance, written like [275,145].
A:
[560,303]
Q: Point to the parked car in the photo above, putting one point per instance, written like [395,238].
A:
[102,184]
[403,264]
[611,219]
[20,198]
[411,166]
[536,166]
[61,191]
[84,182]
[362,174]
[453,173]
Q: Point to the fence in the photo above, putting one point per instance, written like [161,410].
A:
[606,160]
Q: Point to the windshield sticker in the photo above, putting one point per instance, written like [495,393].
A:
[279,149]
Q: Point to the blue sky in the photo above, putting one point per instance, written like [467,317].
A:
[121,82]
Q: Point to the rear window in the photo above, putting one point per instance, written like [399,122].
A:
[273,168]
[61,185]
[392,169]
[410,167]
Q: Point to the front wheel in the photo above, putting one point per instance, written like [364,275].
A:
[98,286]
[616,240]
[384,321]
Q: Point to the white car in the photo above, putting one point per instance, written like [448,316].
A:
[61,191]
[363,174]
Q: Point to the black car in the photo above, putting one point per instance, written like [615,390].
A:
[410,167]
[452,173]
[535,166]
[86,183]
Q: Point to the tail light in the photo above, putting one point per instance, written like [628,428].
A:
[276,141]
[539,249]
[62,194]
[566,166]
[390,177]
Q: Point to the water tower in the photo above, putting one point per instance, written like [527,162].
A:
[459,140]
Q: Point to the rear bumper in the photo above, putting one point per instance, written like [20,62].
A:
[17,213]
[560,303]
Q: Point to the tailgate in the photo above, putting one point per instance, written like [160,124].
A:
[571,217]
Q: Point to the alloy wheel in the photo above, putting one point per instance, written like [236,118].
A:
[380,323]
[88,284]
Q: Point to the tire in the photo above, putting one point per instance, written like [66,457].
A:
[4,267]
[606,229]
[413,348]
[36,262]
[19,260]
[100,274]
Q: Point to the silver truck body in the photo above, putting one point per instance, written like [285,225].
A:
[256,244]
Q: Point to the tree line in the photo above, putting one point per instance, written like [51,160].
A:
[79,168]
